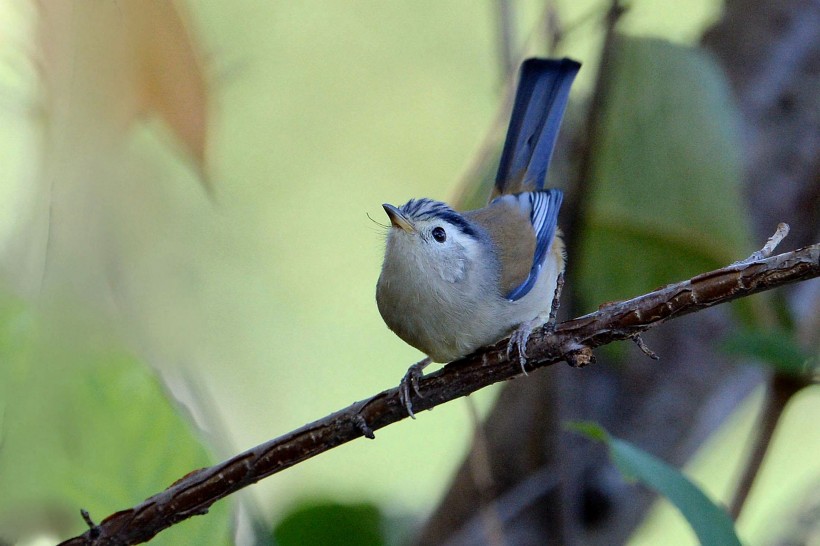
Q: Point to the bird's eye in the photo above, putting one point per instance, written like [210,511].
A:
[439,234]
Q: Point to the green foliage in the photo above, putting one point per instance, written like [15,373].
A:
[331,524]
[85,425]
[665,200]
[776,347]
[711,524]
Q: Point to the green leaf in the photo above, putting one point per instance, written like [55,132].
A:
[591,430]
[777,348]
[331,524]
[86,425]
[665,189]
[711,524]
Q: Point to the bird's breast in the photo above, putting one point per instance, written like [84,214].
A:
[443,319]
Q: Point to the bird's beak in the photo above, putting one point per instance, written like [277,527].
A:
[398,219]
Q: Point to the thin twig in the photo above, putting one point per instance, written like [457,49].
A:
[591,16]
[507,37]
[88,521]
[196,492]
[553,30]
[767,250]
[644,347]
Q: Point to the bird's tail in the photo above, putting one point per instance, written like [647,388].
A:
[543,91]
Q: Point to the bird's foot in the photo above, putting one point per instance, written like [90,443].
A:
[518,342]
[411,381]
[359,421]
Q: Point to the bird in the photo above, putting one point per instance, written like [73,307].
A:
[453,282]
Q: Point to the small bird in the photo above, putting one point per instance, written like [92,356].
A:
[453,282]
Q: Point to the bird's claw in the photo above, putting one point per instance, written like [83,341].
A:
[518,342]
[411,381]
[362,426]
[519,338]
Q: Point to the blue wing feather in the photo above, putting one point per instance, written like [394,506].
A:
[544,218]
[540,101]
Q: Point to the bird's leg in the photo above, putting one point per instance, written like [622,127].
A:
[411,380]
[518,342]
[518,339]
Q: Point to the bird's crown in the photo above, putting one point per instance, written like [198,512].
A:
[427,209]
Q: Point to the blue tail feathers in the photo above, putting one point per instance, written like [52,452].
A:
[540,102]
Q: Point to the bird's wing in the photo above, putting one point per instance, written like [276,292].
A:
[513,239]
[543,208]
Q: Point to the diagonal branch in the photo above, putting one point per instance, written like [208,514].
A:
[572,341]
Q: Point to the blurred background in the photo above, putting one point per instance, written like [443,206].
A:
[187,267]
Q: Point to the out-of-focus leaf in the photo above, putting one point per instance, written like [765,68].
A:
[665,188]
[85,425]
[331,524]
[711,524]
[777,348]
[113,61]
[172,82]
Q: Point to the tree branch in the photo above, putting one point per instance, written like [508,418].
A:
[572,341]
